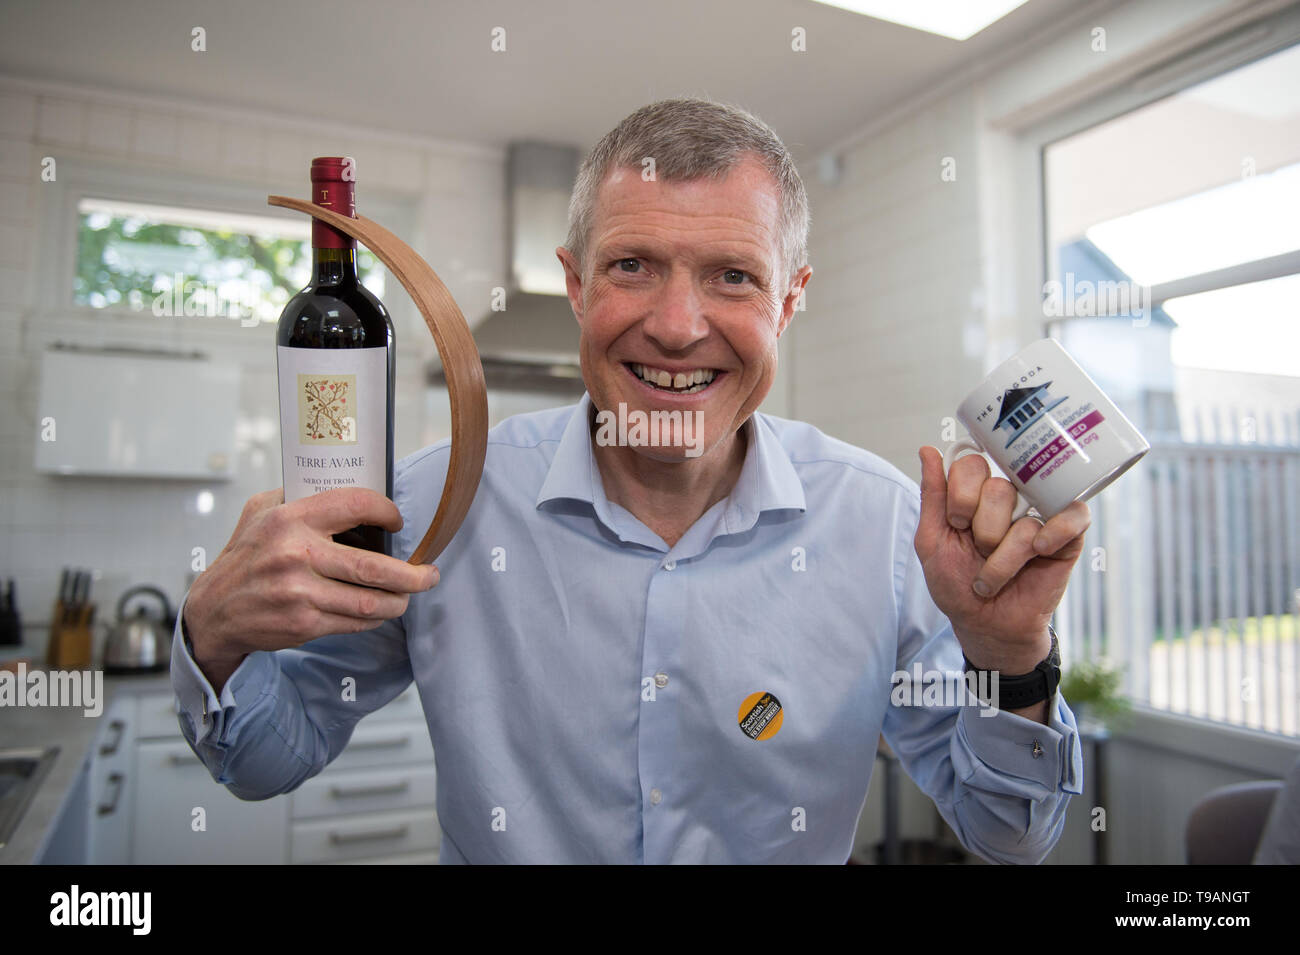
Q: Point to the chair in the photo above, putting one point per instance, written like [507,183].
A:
[1225,826]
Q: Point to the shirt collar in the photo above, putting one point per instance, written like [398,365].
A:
[767,478]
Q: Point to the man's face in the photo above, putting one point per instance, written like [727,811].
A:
[684,279]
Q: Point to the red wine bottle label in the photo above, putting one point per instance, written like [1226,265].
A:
[333,419]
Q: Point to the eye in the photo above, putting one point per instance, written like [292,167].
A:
[634,263]
[734,276]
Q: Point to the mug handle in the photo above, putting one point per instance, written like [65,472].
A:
[953,452]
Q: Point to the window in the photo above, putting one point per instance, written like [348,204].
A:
[1173,251]
[176,261]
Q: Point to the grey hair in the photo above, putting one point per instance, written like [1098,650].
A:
[692,138]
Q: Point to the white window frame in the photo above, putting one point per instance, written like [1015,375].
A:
[1237,48]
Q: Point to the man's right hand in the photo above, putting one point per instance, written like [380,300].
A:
[281,580]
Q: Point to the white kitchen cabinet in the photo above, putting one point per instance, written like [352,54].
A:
[374,803]
[111,421]
[108,809]
[365,836]
[171,784]
[346,792]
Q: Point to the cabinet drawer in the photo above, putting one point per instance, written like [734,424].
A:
[157,717]
[413,858]
[361,837]
[366,790]
[385,743]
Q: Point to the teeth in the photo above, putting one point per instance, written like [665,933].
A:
[682,380]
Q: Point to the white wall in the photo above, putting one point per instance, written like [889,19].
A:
[894,327]
[135,531]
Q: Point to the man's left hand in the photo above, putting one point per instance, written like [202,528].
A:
[997,582]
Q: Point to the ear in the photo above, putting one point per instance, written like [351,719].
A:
[792,297]
[572,279]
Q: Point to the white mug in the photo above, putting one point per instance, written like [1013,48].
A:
[1049,429]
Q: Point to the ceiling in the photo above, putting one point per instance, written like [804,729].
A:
[570,70]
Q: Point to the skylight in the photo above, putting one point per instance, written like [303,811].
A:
[956,19]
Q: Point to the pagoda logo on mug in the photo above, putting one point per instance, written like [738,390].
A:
[1049,428]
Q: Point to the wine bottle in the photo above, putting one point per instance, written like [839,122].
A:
[336,360]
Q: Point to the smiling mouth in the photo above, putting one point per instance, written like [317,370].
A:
[674,383]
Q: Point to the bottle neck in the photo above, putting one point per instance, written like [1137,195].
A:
[334,266]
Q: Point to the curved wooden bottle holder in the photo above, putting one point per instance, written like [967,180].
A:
[460,361]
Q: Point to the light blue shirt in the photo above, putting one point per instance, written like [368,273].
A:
[585,685]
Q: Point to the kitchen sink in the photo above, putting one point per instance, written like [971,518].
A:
[21,772]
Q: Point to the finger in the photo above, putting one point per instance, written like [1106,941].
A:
[367,569]
[310,623]
[357,603]
[993,515]
[934,497]
[1015,550]
[345,508]
[1062,529]
[965,478]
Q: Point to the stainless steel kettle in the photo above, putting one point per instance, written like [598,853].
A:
[142,643]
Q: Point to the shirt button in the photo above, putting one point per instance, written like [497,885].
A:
[655,797]
[661,680]
[670,565]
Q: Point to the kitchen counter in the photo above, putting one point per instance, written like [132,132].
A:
[73,732]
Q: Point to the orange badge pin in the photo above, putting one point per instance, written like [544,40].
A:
[760,716]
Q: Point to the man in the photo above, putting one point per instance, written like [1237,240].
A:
[664,650]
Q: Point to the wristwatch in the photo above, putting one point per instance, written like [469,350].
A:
[1016,692]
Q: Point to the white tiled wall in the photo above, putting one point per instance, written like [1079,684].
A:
[884,352]
[135,531]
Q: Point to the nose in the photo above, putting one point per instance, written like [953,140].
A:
[677,320]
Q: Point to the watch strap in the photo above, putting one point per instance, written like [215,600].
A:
[1026,689]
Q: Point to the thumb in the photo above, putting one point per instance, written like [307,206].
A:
[934,502]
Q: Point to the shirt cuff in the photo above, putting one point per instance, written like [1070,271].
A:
[1047,754]
[206,715]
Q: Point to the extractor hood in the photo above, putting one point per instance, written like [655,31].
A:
[532,343]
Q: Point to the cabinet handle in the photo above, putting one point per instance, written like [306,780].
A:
[383,742]
[114,780]
[180,759]
[382,790]
[394,832]
[108,749]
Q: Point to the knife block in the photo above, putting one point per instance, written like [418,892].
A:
[69,647]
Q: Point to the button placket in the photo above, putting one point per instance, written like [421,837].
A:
[659,735]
